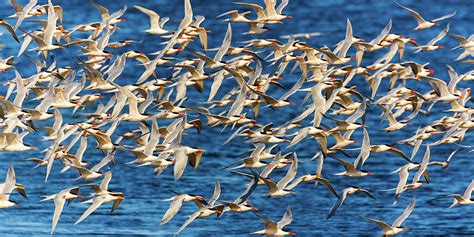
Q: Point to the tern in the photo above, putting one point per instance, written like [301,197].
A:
[422,23]
[396,227]
[273,228]
[345,192]
[59,201]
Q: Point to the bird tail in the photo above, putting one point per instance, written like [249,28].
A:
[46,198]
[455,203]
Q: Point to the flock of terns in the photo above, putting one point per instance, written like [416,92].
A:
[141,106]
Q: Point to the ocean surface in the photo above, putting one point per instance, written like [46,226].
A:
[140,213]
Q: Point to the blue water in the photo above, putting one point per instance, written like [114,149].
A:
[141,212]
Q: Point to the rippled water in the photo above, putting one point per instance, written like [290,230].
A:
[141,212]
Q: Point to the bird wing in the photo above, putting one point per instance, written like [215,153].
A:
[296,182]
[10,29]
[154,17]
[382,224]
[399,153]
[256,152]
[37,39]
[290,175]
[215,195]
[250,188]
[265,172]
[104,12]
[359,112]
[445,17]
[302,133]
[328,185]
[330,55]
[347,41]
[18,7]
[269,224]
[295,87]
[382,34]
[467,194]
[181,160]
[405,213]
[204,57]
[24,12]
[103,162]
[272,186]
[440,36]
[154,138]
[116,202]
[268,99]
[175,205]
[338,122]
[9,185]
[282,5]
[339,202]
[82,148]
[225,44]
[132,99]
[415,14]
[454,79]
[190,219]
[258,9]
[51,27]
[286,219]
[438,85]
[367,193]
[347,166]
[58,208]
[364,151]
[20,90]
[451,155]
[423,166]
[270,8]
[403,180]
[96,202]
[163,21]
[104,185]
[101,138]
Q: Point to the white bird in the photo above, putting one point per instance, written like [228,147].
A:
[103,188]
[241,204]
[116,197]
[422,23]
[94,172]
[45,44]
[416,183]
[342,198]
[156,26]
[445,93]
[465,199]
[396,227]
[431,46]
[59,201]
[205,209]
[351,169]
[273,228]
[7,189]
[14,142]
[279,189]
[176,203]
